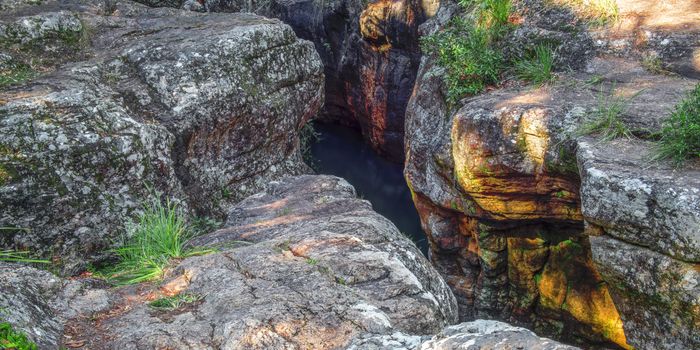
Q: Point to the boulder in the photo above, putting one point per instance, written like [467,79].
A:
[304,264]
[202,108]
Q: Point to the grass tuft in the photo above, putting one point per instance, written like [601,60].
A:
[15,340]
[538,68]
[680,135]
[14,74]
[174,302]
[606,119]
[20,256]
[160,235]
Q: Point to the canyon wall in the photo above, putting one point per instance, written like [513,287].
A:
[583,239]
[134,102]
[370,51]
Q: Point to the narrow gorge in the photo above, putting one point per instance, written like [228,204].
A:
[312,174]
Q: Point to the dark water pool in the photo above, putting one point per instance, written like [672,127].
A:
[340,151]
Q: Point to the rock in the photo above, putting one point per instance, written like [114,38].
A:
[370,51]
[480,334]
[203,108]
[509,194]
[303,264]
[665,35]
[25,303]
[658,296]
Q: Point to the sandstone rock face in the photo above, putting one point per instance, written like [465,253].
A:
[370,51]
[480,334]
[304,264]
[504,186]
[204,108]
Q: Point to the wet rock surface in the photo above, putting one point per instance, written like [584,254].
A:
[305,264]
[204,108]
[504,184]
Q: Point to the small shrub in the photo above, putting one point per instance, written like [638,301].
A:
[538,68]
[15,340]
[466,53]
[680,135]
[606,119]
[307,137]
[160,235]
[174,302]
[653,65]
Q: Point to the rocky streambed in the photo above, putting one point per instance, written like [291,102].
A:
[107,105]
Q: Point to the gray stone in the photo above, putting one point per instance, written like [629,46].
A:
[658,296]
[203,108]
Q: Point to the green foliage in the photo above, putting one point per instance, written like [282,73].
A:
[538,67]
[680,136]
[23,257]
[174,302]
[12,339]
[465,50]
[15,74]
[311,261]
[606,118]
[653,65]
[160,235]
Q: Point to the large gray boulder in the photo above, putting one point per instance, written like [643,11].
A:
[203,108]
[304,264]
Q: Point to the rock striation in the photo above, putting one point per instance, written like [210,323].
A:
[533,223]
[204,108]
[304,264]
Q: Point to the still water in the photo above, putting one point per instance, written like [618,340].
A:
[340,151]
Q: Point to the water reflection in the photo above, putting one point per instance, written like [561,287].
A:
[340,151]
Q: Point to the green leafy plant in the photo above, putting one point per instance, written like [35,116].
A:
[160,235]
[680,135]
[174,302]
[607,118]
[15,340]
[465,51]
[538,67]
[496,13]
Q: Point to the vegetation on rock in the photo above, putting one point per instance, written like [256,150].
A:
[680,136]
[161,234]
[12,339]
[466,47]
[606,118]
[174,302]
[538,68]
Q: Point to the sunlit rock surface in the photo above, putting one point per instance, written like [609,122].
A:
[304,264]
[480,334]
[370,50]
[505,185]
[202,107]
